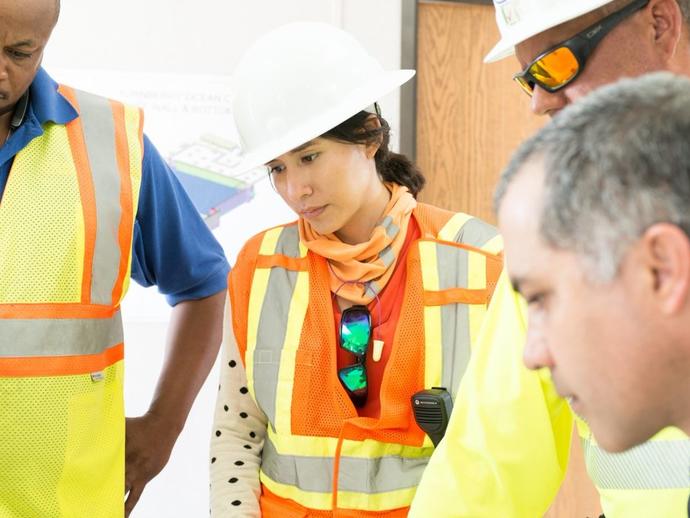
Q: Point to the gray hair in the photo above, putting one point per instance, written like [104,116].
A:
[616,162]
[685,9]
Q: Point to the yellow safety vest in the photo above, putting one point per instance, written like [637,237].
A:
[506,449]
[287,306]
[66,223]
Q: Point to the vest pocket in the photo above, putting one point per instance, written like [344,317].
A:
[92,480]
[276,373]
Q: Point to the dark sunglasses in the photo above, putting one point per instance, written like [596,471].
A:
[562,63]
[355,336]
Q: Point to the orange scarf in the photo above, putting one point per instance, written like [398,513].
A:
[359,272]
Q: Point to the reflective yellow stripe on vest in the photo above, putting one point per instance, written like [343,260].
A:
[456,325]
[273,333]
[479,234]
[393,471]
[463,228]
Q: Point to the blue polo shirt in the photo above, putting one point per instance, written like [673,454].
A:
[172,247]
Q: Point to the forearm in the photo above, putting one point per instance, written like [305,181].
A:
[194,337]
[238,432]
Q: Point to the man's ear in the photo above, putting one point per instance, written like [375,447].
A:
[666,249]
[373,123]
[668,22]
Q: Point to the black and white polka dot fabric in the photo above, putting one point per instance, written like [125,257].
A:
[239,428]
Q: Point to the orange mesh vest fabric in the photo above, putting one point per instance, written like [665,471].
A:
[385,313]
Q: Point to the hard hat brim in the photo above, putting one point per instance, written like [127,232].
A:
[506,46]
[320,123]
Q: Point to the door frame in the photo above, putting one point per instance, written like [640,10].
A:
[408,59]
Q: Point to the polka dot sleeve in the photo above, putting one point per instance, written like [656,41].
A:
[239,428]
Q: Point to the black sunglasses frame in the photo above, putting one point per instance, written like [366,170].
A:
[581,45]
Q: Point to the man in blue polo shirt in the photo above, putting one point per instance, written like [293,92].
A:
[85,200]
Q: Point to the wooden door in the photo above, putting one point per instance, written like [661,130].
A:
[470,115]
[470,118]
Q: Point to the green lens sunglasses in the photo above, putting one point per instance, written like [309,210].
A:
[355,336]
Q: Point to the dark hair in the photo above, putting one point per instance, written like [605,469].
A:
[615,163]
[392,167]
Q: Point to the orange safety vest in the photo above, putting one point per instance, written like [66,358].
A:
[66,224]
[319,457]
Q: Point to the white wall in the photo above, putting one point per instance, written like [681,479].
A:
[196,37]
[207,36]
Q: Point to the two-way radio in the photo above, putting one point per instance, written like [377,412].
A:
[432,408]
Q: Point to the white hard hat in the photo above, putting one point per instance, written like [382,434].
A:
[299,81]
[519,20]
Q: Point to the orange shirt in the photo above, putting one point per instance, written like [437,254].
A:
[384,318]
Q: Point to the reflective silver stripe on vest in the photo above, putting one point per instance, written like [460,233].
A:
[59,337]
[96,117]
[359,475]
[656,464]
[288,242]
[452,264]
[273,323]
[476,232]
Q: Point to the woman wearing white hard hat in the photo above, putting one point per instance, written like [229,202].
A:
[339,318]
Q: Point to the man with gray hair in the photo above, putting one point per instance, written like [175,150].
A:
[594,212]
[565,50]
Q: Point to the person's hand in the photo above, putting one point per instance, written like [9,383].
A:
[148,445]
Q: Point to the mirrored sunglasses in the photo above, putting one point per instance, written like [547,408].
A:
[561,64]
[355,337]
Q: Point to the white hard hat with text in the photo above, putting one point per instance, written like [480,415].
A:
[519,20]
[299,81]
